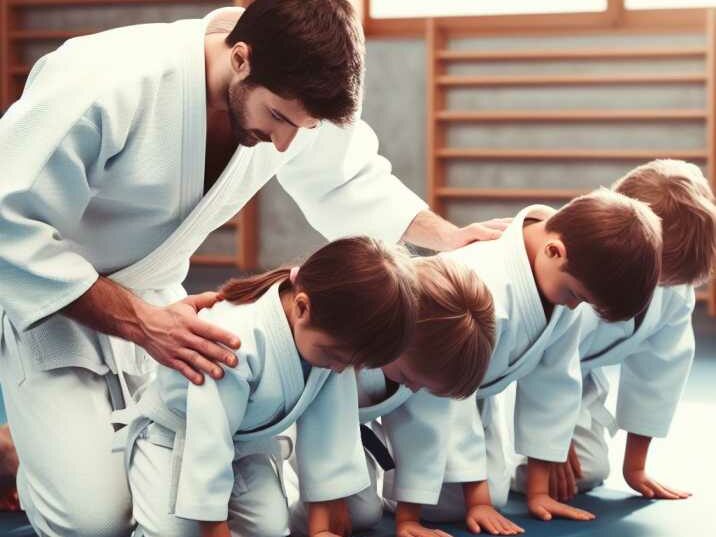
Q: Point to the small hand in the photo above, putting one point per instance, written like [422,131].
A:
[544,507]
[175,337]
[649,488]
[326,533]
[563,477]
[486,517]
[416,529]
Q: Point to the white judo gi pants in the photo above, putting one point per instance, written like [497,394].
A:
[69,481]
[589,437]
[257,506]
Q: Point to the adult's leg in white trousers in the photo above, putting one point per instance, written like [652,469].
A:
[69,481]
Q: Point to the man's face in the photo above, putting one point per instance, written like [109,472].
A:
[258,115]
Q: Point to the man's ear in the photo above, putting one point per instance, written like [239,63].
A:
[241,60]
[555,249]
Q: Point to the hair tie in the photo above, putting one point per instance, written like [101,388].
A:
[293,274]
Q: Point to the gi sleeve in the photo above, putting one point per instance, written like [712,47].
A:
[652,380]
[329,452]
[548,399]
[467,459]
[52,142]
[345,188]
[418,433]
[214,412]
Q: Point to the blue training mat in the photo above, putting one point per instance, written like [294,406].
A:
[619,514]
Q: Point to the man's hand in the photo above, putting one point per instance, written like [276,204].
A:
[563,477]
[175,337]
[544,507]
[486,517]
[649,488]
[410,528]
[429,230]
[479,231]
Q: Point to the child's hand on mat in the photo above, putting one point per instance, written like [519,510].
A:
[649,488]
[544,507]
[330,518]
[563,477]
[486,517]
[410,528]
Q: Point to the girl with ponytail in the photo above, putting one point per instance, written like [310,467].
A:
[208,452]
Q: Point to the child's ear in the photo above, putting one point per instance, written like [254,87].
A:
[555,249]
[302,305]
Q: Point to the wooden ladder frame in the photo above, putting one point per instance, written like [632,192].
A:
[438,32]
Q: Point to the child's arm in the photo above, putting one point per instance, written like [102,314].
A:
[480,513]
[407,522]
[214,529]
[329,519]
[539,502]
[650,385]
[637,448]
[563,477]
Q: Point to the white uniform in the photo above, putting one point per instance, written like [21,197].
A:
[655,357]
[205,452]
[414,428]
[540,355]
[105,173]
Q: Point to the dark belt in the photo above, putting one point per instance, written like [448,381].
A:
[376,448]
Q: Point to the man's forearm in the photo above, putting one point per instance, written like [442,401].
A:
[109,308]
[428,230]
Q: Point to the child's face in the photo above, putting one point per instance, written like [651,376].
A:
[320,349]
[401,372]
[555,285]
[316,346]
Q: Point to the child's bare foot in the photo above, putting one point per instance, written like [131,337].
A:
[8,471]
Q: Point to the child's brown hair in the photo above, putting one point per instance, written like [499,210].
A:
[456,326]
[362,293]
[613,248]
[680,195]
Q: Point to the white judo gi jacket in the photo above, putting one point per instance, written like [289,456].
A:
[541,355]
[415,427]
[211,425]
[103,162]
[655,361]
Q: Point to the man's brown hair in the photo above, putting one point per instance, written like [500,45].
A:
[455,334]
[309,50]
[680,195]
[613,248]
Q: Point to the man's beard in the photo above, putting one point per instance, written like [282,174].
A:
[238,95]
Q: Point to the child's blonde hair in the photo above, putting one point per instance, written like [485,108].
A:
[362,292]
[680,195]
[456,326]
[613,248]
